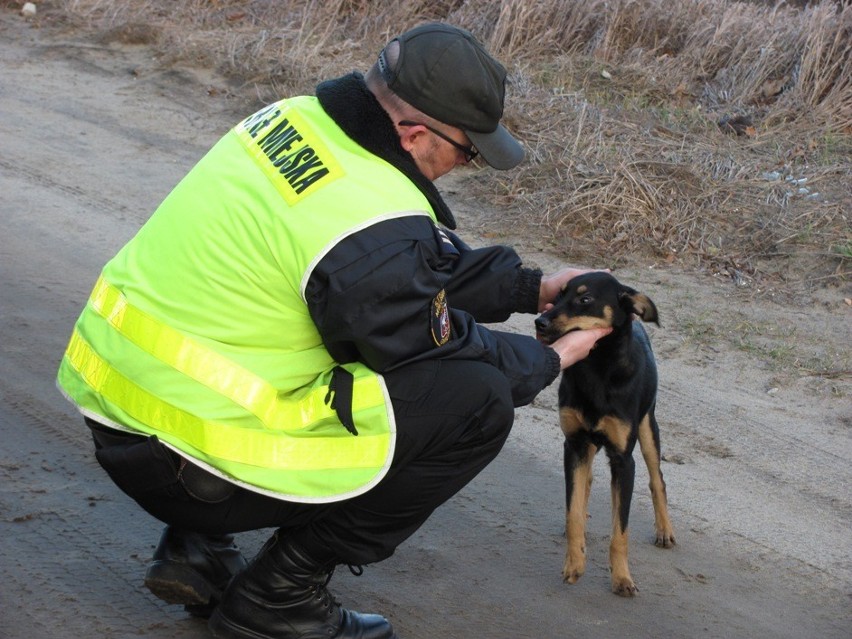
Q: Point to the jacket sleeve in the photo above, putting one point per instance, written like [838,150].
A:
[490,283]
[381,294]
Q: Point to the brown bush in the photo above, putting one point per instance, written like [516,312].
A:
[707,132]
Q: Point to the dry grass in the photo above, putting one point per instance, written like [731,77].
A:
[617,102]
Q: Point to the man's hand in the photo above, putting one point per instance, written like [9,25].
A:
[552,284]
[576,345]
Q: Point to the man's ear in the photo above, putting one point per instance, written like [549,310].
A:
[639,304]
[409,135]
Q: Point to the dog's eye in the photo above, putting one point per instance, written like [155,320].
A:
[585,299]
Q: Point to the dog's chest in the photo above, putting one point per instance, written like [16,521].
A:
[597,409]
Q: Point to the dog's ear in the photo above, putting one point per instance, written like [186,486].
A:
[635,302]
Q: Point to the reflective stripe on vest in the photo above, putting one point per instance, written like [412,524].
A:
[258,446]
[217,372]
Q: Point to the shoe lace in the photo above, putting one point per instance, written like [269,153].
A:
[323,594]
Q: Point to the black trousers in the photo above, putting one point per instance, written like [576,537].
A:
[452,419]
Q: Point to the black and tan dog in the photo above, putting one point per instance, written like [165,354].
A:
[607,401]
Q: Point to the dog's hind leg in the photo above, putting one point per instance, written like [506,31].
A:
[578,469]
[649,442]
[623,472]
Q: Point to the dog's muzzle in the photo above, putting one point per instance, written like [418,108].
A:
[544,330]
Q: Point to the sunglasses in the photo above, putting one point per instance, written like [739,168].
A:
[470,152]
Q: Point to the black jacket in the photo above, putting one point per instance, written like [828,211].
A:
[373,295]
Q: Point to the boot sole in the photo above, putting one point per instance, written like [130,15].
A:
[221,628]
[175,583]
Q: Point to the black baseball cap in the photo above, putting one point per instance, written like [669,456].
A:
[447,74]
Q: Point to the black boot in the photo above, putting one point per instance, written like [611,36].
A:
[193,569]
[283,595]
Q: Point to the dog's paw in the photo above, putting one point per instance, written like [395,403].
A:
[665,539]
[571,577]
[624,587]
[572,571]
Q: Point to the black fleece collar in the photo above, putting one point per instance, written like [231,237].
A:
[349,102]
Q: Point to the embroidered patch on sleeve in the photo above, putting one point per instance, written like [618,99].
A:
[440,317]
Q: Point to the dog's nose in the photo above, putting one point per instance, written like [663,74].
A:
[541,323]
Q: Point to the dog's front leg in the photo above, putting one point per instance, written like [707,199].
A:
[578,479]
[649,442]
[623,472]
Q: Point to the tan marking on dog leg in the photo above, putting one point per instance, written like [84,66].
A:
[571,421]
[575,520]
[615,430]
[662,523]
[622,582]
[592,452]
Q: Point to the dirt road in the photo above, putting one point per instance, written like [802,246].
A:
[758,465]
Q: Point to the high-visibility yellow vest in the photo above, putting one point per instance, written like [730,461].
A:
[198,330]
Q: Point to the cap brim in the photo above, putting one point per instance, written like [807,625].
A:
[498,148]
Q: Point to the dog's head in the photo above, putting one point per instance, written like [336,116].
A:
[593,300]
